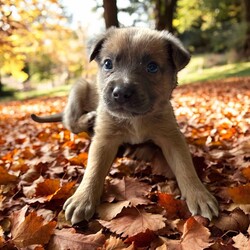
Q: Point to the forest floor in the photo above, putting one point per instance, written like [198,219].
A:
[42,164]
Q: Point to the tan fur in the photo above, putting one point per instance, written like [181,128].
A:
[147,116]
[80,111]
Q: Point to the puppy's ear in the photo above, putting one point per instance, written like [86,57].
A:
[95,45]
[180,55]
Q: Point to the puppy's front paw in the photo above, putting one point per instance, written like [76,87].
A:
[79,207]
[202,202]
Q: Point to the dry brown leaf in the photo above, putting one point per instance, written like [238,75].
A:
[113,243]
[69,239]
[108,211]
[241,242]
[127,189]
[30,230]
[195,236]
[236,220]
[133,221]
[5,177]
[142,239]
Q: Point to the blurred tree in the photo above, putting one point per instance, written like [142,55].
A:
[246,10]
[210,25]
[110,13]
[164,11]
[35,38]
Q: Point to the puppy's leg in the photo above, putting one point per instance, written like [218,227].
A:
[80,112]
[85,123]
[82,205]
[198,198]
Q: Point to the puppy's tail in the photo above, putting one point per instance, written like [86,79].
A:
[51,118]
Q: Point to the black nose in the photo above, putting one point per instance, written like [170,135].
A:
[122,94]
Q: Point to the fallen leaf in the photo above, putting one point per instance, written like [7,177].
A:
[174,208]
[108,211]
[236,220]
[80,159]
[69,239]
[142,239]
[51,189]
[5,177]
[241,242]
[30,230]
[113,243]
[133,221]
[195,236]
[240,194]
[127,189]
[246,172]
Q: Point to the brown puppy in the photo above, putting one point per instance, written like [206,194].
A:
[137,73]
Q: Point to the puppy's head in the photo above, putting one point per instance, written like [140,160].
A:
[137,69]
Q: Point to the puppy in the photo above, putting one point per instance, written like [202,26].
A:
[137,74]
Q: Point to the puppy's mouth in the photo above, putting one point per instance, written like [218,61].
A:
[128,109]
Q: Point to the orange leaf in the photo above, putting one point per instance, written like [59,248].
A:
[174,208]
[5,177]
[9,156]
[246,172]
[80,159]
[30,230]
[240,194]
[53,190]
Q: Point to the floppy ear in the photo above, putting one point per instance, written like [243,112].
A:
[95,45]
[180,55]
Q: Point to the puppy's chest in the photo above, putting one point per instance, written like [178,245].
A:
[138,133]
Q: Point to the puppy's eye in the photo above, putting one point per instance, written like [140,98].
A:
[152,67]
[108,65]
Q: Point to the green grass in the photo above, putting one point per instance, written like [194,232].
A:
[57,91]
[198,70]
[22,95]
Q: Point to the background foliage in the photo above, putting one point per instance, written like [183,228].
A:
[37,42]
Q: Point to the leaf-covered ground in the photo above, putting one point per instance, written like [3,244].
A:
[41,165]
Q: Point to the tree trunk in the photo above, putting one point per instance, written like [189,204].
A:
[110,13]
[164,14]
[246,47]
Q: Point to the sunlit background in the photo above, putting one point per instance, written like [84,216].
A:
[43,42]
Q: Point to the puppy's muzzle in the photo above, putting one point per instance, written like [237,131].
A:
[123,94]
[126,100]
